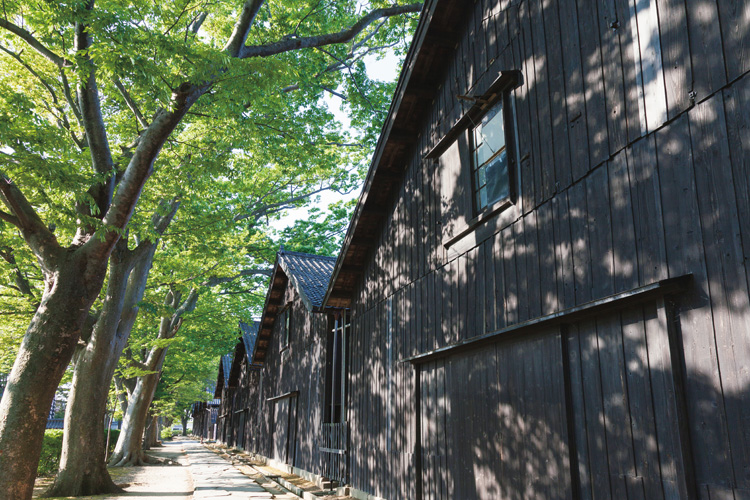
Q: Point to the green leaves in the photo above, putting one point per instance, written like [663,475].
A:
[258,143]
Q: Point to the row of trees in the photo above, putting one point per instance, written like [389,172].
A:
[144,150]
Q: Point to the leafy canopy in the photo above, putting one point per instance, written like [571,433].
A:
[257,143]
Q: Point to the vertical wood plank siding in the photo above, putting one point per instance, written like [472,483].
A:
[300,369]
[633,122]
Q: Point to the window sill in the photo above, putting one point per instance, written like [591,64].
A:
[507,80]
[488,214]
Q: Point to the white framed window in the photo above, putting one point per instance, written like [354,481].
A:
[490,170]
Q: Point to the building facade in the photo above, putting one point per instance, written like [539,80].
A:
[547,270]
[543,292]
[283,393]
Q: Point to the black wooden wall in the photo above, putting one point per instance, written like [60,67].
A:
[634,145]
[289,429]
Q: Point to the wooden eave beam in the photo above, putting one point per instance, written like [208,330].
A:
[614,302]
[399,124]
[342,295]
[363,241]
[401,136]
[350,269]
[420,91]
[443,39]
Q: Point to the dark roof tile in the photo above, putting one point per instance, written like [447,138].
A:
[249,334]
[226,365]
[310,272]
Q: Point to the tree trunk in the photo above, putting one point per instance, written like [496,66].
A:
[129,447]
[50,341]
[151,438]
[184,421]
[122,393]
[83,470]
[128,450]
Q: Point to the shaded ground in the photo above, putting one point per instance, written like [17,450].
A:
[192,471]
[152,482]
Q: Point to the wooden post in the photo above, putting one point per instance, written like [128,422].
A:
[667,313]
[417,433]
[343,365]
[335,352]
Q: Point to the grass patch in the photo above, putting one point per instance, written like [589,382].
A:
[49,461]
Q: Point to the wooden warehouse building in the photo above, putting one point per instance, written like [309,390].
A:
[547,270]
[283,397]
[236,388]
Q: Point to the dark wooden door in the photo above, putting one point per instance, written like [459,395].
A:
[285,430]
[493,422]
[281,429]
[625,407]
[241,430]
[291,451]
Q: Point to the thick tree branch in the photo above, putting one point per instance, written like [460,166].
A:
[141,164]
[141,366]
[236,42]
[130,102]
[169,326]
[34,43]
[10,219]
[197,22]
[93,122]
[188,305]
[39,238]
[342,36]
[160,224]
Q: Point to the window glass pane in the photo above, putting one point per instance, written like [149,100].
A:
[497,178]
[483,153]
[490,166]
[490,135]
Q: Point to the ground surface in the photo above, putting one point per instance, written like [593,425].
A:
[196,473]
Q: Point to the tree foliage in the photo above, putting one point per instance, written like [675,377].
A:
[109,109]
[257,143]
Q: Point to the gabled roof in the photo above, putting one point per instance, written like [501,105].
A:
[440,26]
[222,381]
[249,334]
[309,274]
[244,349]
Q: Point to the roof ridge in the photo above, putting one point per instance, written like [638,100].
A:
[305,254]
